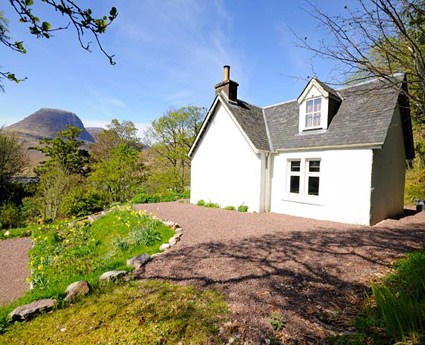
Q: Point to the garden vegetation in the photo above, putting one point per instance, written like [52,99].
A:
[69,251]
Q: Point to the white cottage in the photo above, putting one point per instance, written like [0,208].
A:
[330,154]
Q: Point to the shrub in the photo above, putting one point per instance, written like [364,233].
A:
[242,208]
[31,209]
[212,205]
[83,201]
[145,198]
[201,203]
[9,216]
[230,208]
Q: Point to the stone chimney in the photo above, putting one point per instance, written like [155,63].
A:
[228,86]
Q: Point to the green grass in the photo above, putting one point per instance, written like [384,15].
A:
[154,313]
[395,312]
[63,253]
[15,233]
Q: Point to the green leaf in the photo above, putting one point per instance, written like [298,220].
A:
[29,2]
[46,26]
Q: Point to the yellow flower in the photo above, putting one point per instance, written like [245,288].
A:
[40,267]
[66,241]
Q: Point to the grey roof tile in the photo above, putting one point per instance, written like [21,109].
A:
[251,119]
[362,118]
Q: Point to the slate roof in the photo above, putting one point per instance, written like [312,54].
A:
[251,119]
[363,118]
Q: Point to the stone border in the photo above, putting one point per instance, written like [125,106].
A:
[178,233]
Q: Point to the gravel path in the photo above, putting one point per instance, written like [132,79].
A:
[14,268]
[312,273]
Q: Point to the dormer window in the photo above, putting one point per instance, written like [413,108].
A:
[313,113]
[318,104]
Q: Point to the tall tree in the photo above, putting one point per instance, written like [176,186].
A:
[377,38]
[13,159]
[65,149]
[124,132]
[170,139]
[120,174]
[81,19]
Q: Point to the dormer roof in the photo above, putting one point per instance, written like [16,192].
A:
[325,90]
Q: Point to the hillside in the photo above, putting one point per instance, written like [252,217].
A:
[46,123]
[94,130]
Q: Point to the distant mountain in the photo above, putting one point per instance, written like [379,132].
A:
[46,123]
[94,130]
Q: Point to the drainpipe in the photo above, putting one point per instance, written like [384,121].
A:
[267,187]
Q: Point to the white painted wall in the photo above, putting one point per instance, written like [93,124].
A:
[224,167]
[345,183]
[388,174]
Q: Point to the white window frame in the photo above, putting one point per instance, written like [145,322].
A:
[309,174]
[291,173]
[313,113]
[304,175]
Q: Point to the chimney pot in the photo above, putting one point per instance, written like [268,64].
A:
[226,72]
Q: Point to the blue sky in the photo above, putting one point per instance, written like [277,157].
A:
[169,53]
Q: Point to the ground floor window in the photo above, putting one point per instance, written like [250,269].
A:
[304,176]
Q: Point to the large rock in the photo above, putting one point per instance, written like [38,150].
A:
[28,311]
[139,260]
[77,289]
[113,275]
[172,241]
[164,246]
[169,223]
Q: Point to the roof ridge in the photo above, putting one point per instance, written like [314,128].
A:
[371,80]
[280,103]
[269,139]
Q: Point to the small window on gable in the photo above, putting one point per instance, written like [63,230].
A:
[313,113]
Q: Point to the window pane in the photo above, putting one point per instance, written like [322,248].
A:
[314,166]
[295,184]
[316,119]
[317,104]
[309,120]
[295,165]
[313,185]
[309,108]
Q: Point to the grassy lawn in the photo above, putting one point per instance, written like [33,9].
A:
[153,313]
[65,252]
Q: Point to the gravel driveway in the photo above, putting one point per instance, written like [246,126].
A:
[311,273]
[14,268]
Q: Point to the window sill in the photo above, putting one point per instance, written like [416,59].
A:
[310,200]
[317,129]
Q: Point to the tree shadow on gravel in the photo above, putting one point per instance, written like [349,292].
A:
[315,280]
